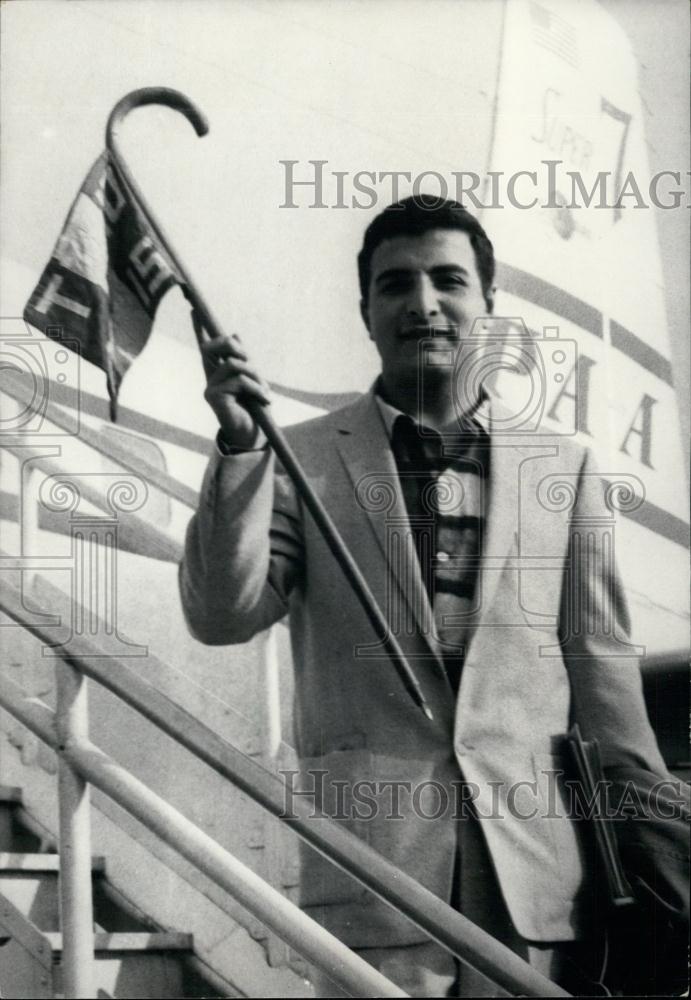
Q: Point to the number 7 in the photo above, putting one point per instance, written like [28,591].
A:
[625,118]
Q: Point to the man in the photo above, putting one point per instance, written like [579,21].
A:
[436,505]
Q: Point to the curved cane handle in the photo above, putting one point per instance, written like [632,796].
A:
[174,99]
[169,98]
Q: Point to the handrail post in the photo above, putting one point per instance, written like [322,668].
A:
[272,694]
[29,516]
[76,904]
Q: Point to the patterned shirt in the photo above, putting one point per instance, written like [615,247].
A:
[445,479]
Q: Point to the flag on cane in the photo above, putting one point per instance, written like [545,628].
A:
[105,278]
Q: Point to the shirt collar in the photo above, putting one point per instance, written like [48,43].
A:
[389,414]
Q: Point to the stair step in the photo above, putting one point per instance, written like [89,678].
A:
[132,958]
[30,883]
[19,831]
[131,941]
[10,798]
[16,862]
[9,793]
[136,966]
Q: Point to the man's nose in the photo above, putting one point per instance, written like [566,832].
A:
[422,299]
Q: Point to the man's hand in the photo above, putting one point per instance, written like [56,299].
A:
[231,379]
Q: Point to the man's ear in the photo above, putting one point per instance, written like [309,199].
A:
[364,312]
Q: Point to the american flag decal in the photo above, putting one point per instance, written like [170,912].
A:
[552,32]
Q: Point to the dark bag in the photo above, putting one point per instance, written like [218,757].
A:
[649,942]
[640,835]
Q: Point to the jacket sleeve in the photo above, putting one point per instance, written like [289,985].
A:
[594,625]
[243,549]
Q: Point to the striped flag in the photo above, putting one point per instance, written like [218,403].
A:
[554,33]
[104,280]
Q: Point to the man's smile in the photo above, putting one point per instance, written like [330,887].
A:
[422,331]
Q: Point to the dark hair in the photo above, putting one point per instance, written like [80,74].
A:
[414,217]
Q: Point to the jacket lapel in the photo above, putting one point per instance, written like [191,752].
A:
[368,459]
[369,462]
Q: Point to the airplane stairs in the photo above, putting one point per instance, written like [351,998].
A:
[134,958]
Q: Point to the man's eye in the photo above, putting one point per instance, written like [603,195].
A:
[394,286]
[452,281]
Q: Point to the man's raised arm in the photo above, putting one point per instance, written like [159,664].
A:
[243,550]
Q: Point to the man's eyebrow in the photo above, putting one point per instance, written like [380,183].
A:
[449,269]
[394,272]
[403,272]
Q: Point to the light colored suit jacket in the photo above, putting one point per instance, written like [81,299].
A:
[548,647]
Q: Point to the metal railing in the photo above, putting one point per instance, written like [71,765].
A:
[82,764]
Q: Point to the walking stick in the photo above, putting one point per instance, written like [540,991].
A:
[178,102]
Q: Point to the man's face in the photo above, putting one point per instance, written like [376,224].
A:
[421,285]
